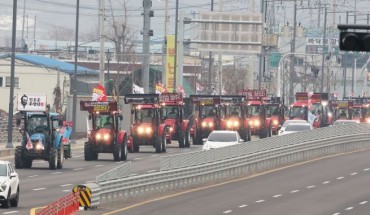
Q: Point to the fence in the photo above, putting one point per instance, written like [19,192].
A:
[192,169]
[63,206]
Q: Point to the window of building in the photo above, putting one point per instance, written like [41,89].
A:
[1,81]
[16,82]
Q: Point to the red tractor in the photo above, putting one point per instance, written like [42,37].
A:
[299,109]
[172,115]
[256,111]
[106,135]
[321,108]
[209,116]
[235,117]
[343,109]
[147,128]
[275,110]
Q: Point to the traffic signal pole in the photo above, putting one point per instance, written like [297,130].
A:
[323,52]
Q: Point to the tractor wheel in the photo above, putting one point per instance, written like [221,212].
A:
[53,159]
[198,139]
[262,133]
[117,152]
[181,139]
[164,142]
[124,149]
[158,144]
[135,145]
[60,156]
[87,152]
[27,163]
[187,138]
[18,157]
[95,156]
[6,203]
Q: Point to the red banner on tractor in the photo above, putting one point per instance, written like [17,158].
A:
[253,94]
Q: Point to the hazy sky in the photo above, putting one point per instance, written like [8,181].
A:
[56,18]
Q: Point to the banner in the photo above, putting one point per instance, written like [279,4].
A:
[99,94]
[170,61]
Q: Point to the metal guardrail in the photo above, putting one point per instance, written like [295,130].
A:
[116,173]
[238,160]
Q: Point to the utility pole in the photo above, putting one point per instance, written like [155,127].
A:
[146,45]
[24,14]
[292,73]
[180,50]
[345,64]
[12,71]
[165,38]
[176,32]
[210,64]
[261,59]
[74,84]
[102,39]
[220,6]
[323,52]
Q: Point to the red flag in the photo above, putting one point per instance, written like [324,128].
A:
[99,94]
[29,145]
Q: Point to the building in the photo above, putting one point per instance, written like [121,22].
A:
[40,74]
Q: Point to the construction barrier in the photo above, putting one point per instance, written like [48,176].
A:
[64,206]
[89,195]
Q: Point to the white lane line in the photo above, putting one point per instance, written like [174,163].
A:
[154,155]
[77,156]
[32,176]
[277,196]
[367,169]
[226,212]
[326,182]
[339,178]
[362,203]
[65,185]
[336,214]
[312,186]
[92,181]
[56,173]
[349,208]
[153,170]
[78,169]
[119,162]
[99,165]
[259,201]
[66,191]
[10,212]
[37,189]
[294,191]
[138,159]
[242,206]
[355,173]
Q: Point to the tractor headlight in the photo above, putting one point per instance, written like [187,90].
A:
[140,130]
[257,123]
[39,146]
[210,124]
[106,137]
[171,129]
[98,136]
[330,114]
[275,122]
[204,124]
[148,130]
[229,123]
[368,120]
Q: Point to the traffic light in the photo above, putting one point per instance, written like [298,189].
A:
[355,41]
[354,38]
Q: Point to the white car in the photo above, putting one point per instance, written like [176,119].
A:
[9,185]
[221,138]
[290,121]
[296,127]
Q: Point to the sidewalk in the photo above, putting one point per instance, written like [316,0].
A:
[9,152]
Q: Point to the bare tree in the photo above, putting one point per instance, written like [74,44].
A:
[234,78]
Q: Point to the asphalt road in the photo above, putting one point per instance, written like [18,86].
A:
[40,186]
[335,185]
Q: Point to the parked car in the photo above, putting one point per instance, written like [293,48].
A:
[345,122]
[287,122]
[9,185]
[296,127]
[221,138]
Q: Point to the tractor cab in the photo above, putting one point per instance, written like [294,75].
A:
[299,109]
[275,109]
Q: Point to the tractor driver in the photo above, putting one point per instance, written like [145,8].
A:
[108,123]
[172,114]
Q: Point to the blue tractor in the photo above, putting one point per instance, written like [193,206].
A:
[45,137]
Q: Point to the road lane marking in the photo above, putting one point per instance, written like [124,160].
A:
[277,196]
[260,201]
[326,182]
[56,173]
[77,156]
[339,178]
[349,208]
[10,212]
[37,189]
[312,186]
[242,206]
[355,173]
[92,181]
[153,170]
[154,155]
[78,169]
[226,212]
[99,165]
[367,169]
[138,159]
[66,191]
[32,176]
[336,214]
[362,203]
[232,181]
[294,191]
[65,185]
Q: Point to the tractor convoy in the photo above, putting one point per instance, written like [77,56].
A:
[159,119]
